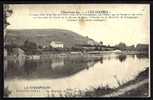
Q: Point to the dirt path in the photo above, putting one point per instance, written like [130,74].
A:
[126,89]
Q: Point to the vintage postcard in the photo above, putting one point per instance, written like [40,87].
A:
[76,50]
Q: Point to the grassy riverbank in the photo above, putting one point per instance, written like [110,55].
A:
[139,88]
[139,91]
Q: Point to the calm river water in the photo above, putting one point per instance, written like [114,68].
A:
[48,77]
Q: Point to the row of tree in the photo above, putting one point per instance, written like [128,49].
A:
[138,47]
[33,48]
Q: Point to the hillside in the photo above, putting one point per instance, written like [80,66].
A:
[45,36]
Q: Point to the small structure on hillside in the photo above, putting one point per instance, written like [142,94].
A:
[56,44]
[91,42]
[117,51]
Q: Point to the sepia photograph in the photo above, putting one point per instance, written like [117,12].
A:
[76,50]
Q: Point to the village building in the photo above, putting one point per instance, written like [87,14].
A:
[56,44]
[19,53]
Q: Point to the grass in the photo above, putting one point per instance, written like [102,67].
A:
[99,91]
[141,91]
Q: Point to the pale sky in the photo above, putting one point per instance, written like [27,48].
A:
[110,31]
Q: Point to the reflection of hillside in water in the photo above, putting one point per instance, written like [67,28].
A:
[13,67]
[51,68]
[57,67]
[141,56]
[121,58]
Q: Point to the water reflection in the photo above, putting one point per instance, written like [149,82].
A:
[75,72]
[29,67]
[101,60]
[121,57]
[133,56]
[51,68]
[58,62]
[56,67]
[141,56]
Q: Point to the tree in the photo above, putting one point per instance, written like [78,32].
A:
[121,46]
[30,47]
[101,43]
[142,47]
[130,48]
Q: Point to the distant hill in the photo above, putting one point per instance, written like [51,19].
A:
[45,36]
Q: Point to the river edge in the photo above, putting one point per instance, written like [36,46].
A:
[48,55]
[141,91]
[102,91]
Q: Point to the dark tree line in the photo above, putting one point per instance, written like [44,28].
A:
[138,47]
[30,47]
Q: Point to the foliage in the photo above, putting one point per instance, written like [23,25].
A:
[121,46]
[30,47]
[142,47]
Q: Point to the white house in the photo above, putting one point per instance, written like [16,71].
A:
[56,44]
[57,63]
